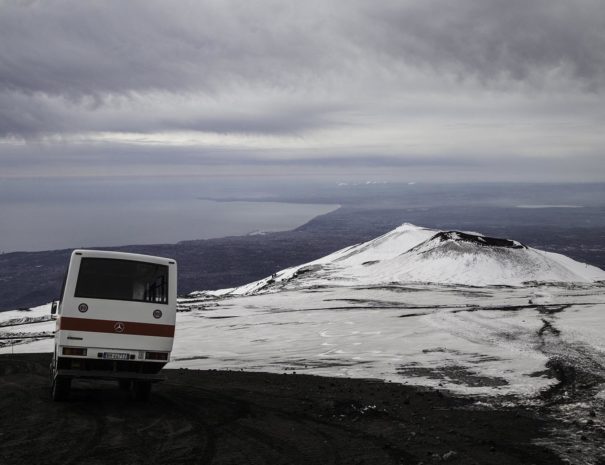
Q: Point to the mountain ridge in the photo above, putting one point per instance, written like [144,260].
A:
[414,254]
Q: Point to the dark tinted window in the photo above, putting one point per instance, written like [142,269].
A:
[107,278]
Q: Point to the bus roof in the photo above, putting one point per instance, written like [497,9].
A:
[123,256]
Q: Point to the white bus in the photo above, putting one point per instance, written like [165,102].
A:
[115,320]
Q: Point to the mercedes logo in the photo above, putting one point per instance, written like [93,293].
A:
[119,327]
[157,313]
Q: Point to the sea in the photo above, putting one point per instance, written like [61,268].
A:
[56,213]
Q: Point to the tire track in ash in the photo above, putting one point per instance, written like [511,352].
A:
[326,442]
[99,424]
[254,443]
[580,371]
[265,434]
[237,442]
[240,442]
[235,418]
[196,443]
[93,428]
[160,431]
[58,432]
[242,438]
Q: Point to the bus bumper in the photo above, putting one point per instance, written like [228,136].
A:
[110,375]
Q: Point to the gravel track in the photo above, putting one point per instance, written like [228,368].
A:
[219,417]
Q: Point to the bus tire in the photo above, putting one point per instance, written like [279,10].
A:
[51,373]
[142,390]
[60,388]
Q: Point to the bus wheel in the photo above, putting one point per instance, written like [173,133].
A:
[142,390]
[60,388]
[51,373]
[125,384]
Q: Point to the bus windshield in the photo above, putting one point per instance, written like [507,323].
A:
[116,279]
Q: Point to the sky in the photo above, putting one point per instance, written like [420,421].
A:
[423,90]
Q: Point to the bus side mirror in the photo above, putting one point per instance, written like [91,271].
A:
[53,307]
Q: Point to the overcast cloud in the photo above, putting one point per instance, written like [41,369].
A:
[389,88]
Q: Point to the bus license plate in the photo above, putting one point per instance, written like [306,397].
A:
[115,356]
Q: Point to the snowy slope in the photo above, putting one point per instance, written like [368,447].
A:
[390,309]
[412,254]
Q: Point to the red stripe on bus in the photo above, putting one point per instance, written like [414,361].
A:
[115,327]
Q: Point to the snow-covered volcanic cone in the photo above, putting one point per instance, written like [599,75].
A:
[464,258]
[411,254]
